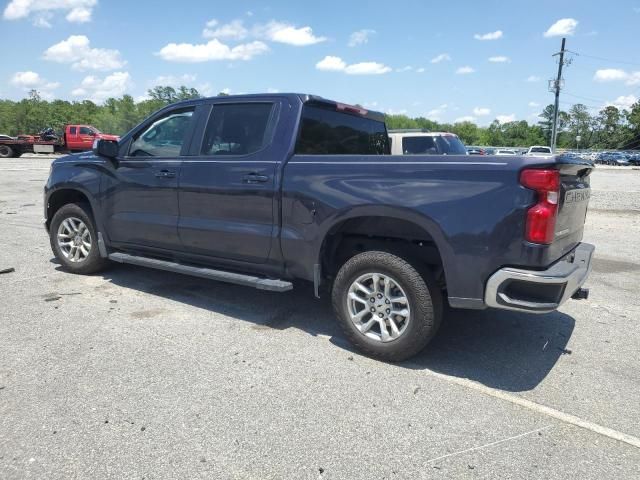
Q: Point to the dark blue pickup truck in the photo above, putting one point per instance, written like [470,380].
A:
[260,190]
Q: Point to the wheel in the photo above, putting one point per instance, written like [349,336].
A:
[74,239]
[6,151]
[387,309]
[17,154]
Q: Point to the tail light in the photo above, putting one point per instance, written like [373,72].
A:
[541,218]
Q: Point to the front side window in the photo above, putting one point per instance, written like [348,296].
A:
[85,131]
[238,128]
[326,131]
[164,137]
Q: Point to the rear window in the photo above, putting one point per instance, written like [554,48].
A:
[433,145]
[325,131]
[238,129]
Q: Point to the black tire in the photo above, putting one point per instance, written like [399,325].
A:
[424,297]
[6,151]
[17,154]
[93,262]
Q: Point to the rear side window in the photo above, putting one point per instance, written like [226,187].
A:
[325,131]
[238,129]
[419,146]
[164,137]
[433,145]
[72,130]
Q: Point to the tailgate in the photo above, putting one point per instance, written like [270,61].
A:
[575,191]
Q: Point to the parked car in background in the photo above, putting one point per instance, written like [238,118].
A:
[476,151]
[539,151]
[6,137]
[411,142]
[505,152]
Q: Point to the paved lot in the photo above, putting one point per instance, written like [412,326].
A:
[142,374]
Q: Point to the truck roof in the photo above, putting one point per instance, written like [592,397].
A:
[303,97]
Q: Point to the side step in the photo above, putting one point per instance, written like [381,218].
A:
[260,283]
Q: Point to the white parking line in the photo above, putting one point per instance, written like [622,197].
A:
[536,407]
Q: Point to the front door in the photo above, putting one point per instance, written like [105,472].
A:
[140,197]
[226,192]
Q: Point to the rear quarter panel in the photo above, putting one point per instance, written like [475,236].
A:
[474,209]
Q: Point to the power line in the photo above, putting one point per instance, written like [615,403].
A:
[585,98]
[606,59]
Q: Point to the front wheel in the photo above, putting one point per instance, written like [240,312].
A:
[74,239]
[387,309]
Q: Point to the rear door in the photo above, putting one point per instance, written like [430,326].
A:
[227,187]
[72,137]
[140,196]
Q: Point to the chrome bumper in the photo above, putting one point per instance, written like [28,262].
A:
[540,291]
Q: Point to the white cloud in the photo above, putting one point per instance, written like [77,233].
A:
[360,37]
[99,89]
[391,111]
[77,51]
[506,118]
[331,64]
[623,101]
[174,80]
[488,36]
[234,30]
[33,81]
[616,74]
[336,64]
[466,118]
[499,59]
[534,104]
[441,58]
[481,111]
[41,11]
[210,51]
[533,78]
[272,90]
[407,68]
[420,70]
[281,32]
[465,70]
[564,26]
[437,112]
[79,15]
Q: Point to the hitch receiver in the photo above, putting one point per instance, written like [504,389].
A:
[581,294]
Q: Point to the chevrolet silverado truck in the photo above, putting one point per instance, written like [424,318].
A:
[76,138]
[262,190]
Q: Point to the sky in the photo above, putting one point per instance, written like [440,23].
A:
[447,61]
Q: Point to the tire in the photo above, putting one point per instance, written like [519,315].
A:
[6,151]
[73,258]
[424,305]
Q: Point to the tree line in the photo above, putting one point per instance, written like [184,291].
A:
[610,128]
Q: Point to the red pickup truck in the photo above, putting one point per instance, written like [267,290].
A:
[76,138]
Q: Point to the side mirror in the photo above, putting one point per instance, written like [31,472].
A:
[105,148]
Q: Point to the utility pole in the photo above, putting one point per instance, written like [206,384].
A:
[556,88]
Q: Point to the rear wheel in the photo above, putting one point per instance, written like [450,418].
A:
[385,306]
[74,239]
[6,151]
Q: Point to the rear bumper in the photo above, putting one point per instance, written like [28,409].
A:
[540,291]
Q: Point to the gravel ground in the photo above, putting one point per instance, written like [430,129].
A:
[136,373]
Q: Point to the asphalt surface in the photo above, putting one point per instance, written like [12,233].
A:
[136,373]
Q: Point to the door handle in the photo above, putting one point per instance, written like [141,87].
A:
[254,178]
[165,174]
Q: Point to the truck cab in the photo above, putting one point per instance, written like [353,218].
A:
[79,138]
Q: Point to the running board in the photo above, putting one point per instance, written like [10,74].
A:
[260,283]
